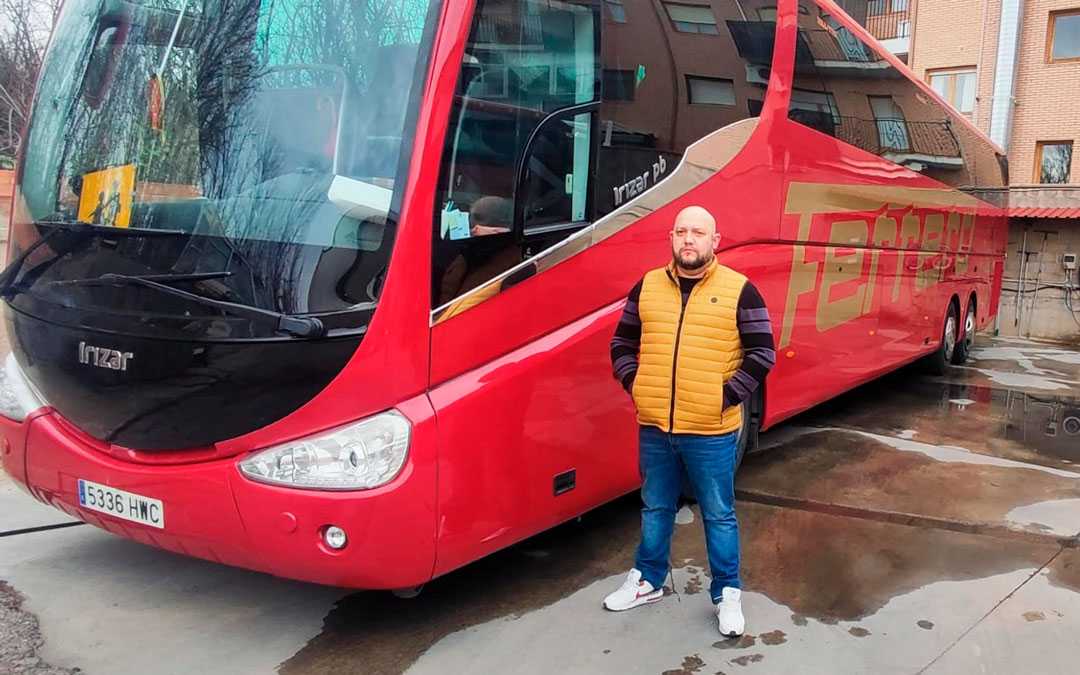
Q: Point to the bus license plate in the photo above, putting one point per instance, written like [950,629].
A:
[122,504]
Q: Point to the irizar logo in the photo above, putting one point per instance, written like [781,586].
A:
[104,358]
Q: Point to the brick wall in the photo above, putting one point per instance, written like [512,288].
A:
[938,43]
[1047,95]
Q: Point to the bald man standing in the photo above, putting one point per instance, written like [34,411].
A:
[693,343]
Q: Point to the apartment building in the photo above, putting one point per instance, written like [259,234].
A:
[1013,68]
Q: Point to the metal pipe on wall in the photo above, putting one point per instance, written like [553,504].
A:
[1038,278]
[1020,286]
[1001,104]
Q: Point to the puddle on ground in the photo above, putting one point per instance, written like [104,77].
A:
[834,568]
[1039,428]
[743,642]
[748,659]
[864,470]
[691,664]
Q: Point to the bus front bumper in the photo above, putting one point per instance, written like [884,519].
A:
[210,510]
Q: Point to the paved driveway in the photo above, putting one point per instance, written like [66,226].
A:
[918,524]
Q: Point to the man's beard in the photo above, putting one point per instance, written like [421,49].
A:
[693,265]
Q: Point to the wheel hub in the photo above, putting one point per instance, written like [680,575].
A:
[950,335]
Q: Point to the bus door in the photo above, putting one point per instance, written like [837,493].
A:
[520,378]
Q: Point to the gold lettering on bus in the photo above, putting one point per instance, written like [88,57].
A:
[842,267]
[910,227]
[967,238]
[884,237]
[930,274]
[925,227]
[803,279]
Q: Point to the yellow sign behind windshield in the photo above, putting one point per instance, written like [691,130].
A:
[106,196]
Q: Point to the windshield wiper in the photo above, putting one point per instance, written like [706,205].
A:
[300,326]
[7,276]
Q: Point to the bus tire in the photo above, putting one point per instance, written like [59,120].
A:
[751,424]
[938,362]
[967,339]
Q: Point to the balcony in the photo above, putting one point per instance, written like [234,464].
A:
[840,54]
[903,141]
[913,144]
[890,22]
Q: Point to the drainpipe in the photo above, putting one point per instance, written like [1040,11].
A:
[981,113]
[1001,107]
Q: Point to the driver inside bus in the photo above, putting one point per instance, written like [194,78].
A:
[473,261]
[693,343]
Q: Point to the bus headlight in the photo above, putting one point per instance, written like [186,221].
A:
[17,397]
[360,456]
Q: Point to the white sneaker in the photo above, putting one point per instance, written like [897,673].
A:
[729,614]
[634,591]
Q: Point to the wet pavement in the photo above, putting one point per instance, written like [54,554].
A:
[917,524]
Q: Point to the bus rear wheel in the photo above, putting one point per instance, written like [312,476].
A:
[967,338]
[938,362]
[751,423]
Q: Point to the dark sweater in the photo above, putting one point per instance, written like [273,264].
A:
[755,334]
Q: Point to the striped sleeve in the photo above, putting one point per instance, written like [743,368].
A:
[627,340]
[759,351]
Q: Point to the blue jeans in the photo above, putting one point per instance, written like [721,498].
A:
[709,463]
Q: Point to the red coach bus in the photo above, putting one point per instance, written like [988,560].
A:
[326,289]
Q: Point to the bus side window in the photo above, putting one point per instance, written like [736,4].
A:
[671,81]
[524,60]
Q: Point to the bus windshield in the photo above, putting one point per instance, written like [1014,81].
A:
[270,131]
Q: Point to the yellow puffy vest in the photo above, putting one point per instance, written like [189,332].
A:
[699,347]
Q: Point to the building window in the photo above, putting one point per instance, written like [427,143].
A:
[891,125]
[692,18]
[616,10]
[618,85]
[1052,160]
[816,109]
[710,90]
[955,86]
[1063,42]
[879,7]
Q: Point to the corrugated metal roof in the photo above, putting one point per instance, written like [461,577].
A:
[1043,212]
[1058,201]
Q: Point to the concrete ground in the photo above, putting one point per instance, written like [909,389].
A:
[918,524]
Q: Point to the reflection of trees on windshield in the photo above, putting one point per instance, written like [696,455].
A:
[253,106]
